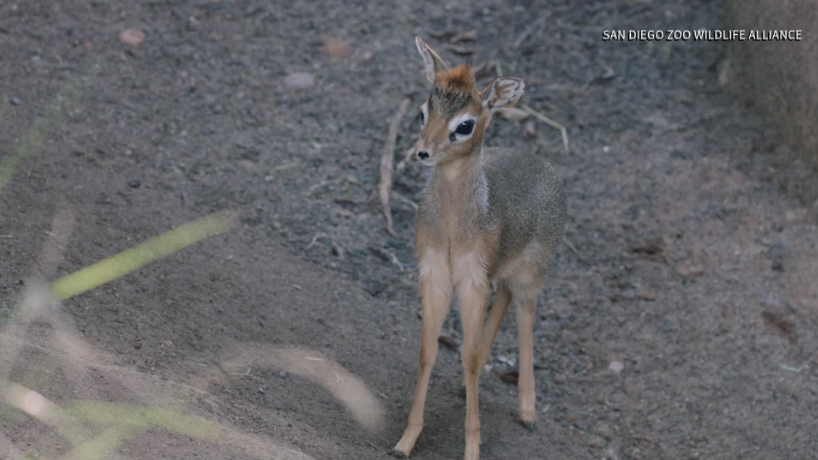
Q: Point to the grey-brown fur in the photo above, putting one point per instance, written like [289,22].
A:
[514,191]
[527,200]
[447,102]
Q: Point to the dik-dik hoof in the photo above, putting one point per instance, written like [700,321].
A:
[397,454]
[530,426]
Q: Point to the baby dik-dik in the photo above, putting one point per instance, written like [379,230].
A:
[487,214]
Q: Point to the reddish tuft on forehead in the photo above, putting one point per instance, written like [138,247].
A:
[458,79]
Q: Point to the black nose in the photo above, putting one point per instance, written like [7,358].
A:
[423,155]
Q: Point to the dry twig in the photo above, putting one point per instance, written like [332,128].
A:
[406,200]
[551,123]
[528,31]
[574,250]
[469,36]
[387,159]
[406,158]
[314,240]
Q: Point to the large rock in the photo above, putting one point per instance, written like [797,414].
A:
[779,78]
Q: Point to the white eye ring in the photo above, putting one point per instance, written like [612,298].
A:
[456,122]
[424,113]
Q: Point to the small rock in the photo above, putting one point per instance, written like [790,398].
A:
[132,37]
[365,56]
[560,379]
[343,212]
[530,130]
[688,270]
[645,295]
[448,342]
[596,441]
[569,337]
[616,366]
[300,80]
[680,154]
[795,217]
[604,430]
[510,377]
[192,23]
[134,183]
[14,101]
[337,48]
[651,247]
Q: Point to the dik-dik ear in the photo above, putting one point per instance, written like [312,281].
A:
[503,92]
[431,61]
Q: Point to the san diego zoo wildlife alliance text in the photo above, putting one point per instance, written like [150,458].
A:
[701,34]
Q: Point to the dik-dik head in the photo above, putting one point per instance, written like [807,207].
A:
[456,114]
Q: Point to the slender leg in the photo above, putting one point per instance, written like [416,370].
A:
[525,311]
[436,289]
[498,310]
[473,297]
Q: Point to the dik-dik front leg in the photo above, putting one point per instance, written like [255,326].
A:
[435,292]
[472,285]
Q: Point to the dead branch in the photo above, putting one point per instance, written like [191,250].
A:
[405,200]
[528,31]
[551,123]
[407,157]
[387,159]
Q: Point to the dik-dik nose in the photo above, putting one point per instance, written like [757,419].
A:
[423,155]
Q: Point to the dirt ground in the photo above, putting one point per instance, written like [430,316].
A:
[696,261]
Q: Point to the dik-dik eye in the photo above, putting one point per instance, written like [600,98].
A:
[423,113]
[461,127]
[465,128]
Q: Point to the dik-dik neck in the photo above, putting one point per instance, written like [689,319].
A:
[458,191]
[462,172]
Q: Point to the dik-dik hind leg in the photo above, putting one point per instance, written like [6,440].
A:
[498,311]
[473,293]
[525,311]
[524,291]
[436,289]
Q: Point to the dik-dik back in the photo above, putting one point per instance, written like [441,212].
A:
[486,214]
[528,204]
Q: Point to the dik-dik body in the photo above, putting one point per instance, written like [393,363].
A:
[487,214]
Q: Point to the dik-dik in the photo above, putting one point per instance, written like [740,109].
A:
[487,215]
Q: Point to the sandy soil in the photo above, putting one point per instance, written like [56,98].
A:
[697,250]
